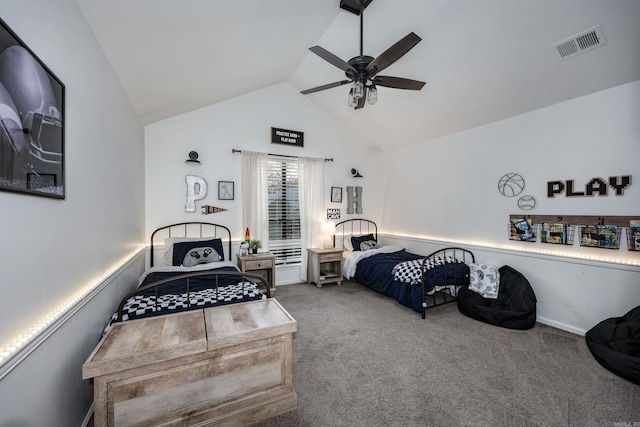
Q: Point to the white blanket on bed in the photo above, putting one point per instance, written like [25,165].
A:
[350,261]
[182,268]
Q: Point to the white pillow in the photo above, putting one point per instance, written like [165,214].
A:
[484,279]
[347,245]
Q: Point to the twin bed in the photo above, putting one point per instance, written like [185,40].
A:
[198,342]
[415,281]
[190,267]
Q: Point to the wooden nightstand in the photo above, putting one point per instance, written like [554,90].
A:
[263,264]
[324,266]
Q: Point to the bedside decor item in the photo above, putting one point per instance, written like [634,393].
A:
[193,158]
[336,194]
[328,229]
[225,190]
[254,245]
[244,249]
[32,143]
[196,190]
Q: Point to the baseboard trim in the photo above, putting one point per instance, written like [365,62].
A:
[560,325]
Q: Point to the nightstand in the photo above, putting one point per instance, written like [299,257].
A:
[324,266]
[263,264]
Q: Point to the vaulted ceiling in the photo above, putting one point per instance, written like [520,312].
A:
[483,61]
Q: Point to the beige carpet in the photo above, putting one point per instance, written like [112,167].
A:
[361,359]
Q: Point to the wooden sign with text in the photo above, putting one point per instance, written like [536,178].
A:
[287,137]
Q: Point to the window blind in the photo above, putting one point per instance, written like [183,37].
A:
[284,210]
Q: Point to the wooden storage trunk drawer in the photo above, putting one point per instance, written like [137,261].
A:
[234,369]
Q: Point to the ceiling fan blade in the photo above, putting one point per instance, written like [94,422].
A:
[327,86]
[331,58]
[398,83]
[392,54]
[361,101]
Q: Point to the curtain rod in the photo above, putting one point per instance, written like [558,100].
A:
[233,150]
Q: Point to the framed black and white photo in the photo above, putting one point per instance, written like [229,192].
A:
[32,135]
[225,190]
[336,194]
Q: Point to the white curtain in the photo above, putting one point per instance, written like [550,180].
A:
[311,185]
[255,210]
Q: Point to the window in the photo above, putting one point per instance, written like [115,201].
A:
[284,211]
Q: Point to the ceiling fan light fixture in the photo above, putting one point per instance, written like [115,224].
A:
[358,89]
[352,101]
[372,95]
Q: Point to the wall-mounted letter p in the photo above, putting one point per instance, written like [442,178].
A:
[196,190]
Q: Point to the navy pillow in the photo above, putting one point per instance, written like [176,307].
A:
[356,240]
[181,249]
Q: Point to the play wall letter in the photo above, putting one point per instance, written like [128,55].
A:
[196,190]
[595,187]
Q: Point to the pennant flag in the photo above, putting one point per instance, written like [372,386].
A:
[207,209]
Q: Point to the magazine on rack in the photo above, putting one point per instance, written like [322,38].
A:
[554,232]
[524,229]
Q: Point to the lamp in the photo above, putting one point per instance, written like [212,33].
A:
[193,158]
[358,89]
[327,230]
[352,101]
[372,94]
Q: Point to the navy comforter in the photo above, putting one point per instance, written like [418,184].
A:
[173,296]
[375,272]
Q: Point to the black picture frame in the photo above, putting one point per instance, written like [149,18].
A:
[336,194]
[225,190]
[32,135]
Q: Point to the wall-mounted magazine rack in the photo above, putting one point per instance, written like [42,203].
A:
[557,233]
[600,236]
[585,227]
[633,238]
[522,230]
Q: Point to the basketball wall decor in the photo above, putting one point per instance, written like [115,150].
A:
[526,203]
[511,185]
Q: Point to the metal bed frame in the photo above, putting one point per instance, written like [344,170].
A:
[353,227]
[192,230]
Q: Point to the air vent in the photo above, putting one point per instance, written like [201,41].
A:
[580,43]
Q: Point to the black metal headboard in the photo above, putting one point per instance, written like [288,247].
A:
[353,227]
[189,229]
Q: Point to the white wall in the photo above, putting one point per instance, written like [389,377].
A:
[245,123]
[451,195]
[52,249]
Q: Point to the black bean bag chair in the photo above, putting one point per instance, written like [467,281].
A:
[615,343]
[515,307]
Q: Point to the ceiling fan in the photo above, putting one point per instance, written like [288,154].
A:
[363,70]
